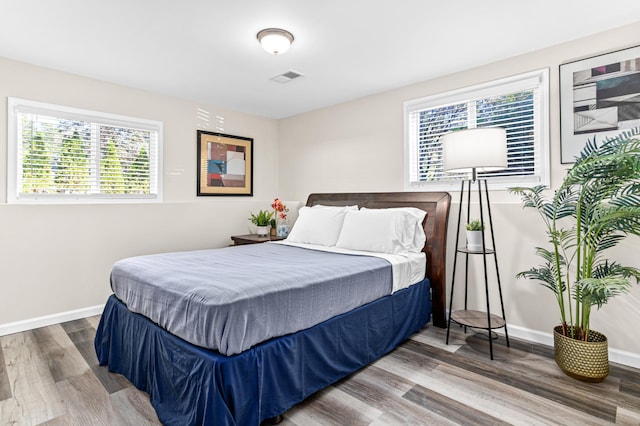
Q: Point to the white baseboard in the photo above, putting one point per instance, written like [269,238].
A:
[629,359]
[30,324]
[529,335]
[618,356]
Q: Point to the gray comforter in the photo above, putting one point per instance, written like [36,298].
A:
[232,298]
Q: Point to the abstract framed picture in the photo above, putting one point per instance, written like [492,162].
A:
[225,164]
[599,97]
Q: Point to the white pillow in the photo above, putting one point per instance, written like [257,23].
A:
[419,238]
[383,230]
[319,226]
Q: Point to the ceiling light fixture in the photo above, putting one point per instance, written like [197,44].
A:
[275,40]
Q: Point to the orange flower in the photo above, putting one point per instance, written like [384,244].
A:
[280,208]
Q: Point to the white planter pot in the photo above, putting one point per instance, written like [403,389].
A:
[263,230]
[474,240]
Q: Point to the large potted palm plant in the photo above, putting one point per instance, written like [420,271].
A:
[595,208]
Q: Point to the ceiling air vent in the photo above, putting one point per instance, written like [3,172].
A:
[286,77]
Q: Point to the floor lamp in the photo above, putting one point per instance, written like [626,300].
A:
[471,151]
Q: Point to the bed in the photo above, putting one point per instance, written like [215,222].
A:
[196,377]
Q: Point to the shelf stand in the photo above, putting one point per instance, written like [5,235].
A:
[472,318]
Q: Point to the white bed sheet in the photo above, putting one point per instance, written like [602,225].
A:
[407,269]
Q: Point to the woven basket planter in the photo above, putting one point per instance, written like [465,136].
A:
[586,361]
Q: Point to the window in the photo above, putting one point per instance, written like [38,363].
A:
[519,104]
[60,154]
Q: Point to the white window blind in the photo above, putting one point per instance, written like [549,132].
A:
[60,154]
[518,104]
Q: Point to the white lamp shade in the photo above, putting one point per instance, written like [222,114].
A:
[483,149]
[275,40]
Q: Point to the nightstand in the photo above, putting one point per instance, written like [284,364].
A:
[239,240]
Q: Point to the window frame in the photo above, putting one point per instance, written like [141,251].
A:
[16,105]
[539,78]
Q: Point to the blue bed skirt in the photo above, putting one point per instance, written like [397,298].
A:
[189,385]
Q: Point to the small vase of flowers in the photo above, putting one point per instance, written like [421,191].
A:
[280,216]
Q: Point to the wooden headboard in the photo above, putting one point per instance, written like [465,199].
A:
[436,204]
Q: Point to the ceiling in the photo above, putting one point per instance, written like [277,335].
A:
[206,50]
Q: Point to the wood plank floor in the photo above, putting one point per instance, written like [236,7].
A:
[50,376]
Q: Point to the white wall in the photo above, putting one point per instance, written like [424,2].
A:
[358,146]
[57,258]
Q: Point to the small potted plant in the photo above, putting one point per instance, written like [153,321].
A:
[280,212]
[474,235]
[263,221]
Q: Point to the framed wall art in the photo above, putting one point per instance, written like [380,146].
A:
[225,164]
[599,97]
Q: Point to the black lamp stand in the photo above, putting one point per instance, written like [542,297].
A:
[472,318]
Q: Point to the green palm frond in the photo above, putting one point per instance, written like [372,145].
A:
[566,237]
[616,219]
[548,274]
[607,269]
[607,242]
[589,149]
[598,291]
[531,197]
[548,255]
[546,277]
[617,158]
[566,201]
[629,196]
